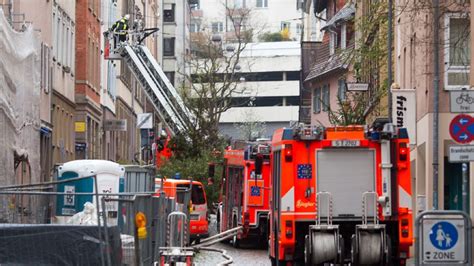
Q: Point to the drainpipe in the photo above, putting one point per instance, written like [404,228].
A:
[471,82]
[389,64]
[436,104]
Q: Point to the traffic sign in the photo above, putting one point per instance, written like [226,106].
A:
[145,121]
[462,101]
[461,128]
[461,153]
[443,238]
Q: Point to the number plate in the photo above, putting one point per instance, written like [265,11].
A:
[345,143]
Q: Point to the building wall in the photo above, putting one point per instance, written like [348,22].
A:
[414,69]
[88,76]
[179,31]
[262,19]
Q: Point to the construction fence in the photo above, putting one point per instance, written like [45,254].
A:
[39,224]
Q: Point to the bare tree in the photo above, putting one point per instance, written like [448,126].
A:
[215,64]
[250,126]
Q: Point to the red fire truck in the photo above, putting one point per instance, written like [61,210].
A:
[245,192]
[341,194]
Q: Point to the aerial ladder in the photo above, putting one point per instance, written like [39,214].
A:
[166,101]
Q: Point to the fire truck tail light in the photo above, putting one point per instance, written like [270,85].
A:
[403,152]
[404,222]
[405,233]
[288,152]
[289,229]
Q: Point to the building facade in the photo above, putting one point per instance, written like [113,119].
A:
[264,16]
[414,59]
[330,64]
[268,90]
[88,115]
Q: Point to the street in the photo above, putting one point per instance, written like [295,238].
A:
[248,254]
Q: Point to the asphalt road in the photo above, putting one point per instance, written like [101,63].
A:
[248,254]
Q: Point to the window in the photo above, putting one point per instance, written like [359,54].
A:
[239,3]
[67,50]
[45,68]
[217,27]
[168,46]
[457,39]
[194,27]
[285,26]
[299,4]
[170,76]
[168,13]
[58,38]
[343,36]
[194,5]
[317,100]
[341,91]
[332,42]
[73,51]
[262,3]
[325,98]
[299,28]
[55,34]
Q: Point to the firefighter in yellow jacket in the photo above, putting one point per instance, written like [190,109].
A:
[120,29]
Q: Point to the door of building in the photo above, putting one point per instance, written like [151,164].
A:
[453,185]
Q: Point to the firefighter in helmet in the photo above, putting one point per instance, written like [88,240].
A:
[119,29]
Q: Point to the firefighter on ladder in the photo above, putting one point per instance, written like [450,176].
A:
[119,29]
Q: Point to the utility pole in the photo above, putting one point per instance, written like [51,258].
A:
[436,104]
[389,63]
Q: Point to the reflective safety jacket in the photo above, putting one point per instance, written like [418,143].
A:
[120,26]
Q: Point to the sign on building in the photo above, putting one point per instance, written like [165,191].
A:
[404,111]
[444,238]
[80,127]
[462,101]
[145,121]
[357,86]
[115,125]
[461,153]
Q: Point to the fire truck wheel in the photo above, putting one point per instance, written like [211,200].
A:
[307,251]
[354,253]
[341,256]
[235,242]
[274,262]
[389,261]
[235,239]
[323,248]
[370,248]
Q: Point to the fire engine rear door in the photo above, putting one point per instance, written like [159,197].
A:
[346,174]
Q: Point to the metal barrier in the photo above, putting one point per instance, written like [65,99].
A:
[28,216]
[31,214]
[443,238]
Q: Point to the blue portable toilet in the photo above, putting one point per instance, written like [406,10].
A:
[110,179]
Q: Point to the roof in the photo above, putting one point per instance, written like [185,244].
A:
[269,49]
[333,63]
[87,168]
[345,14]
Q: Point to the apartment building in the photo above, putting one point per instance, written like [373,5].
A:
[267,93]
[414,70]
[327,63]
[88,116]
[174,39]
[264,16]
[54,23]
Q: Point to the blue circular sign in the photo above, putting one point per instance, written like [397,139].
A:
[443,235]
